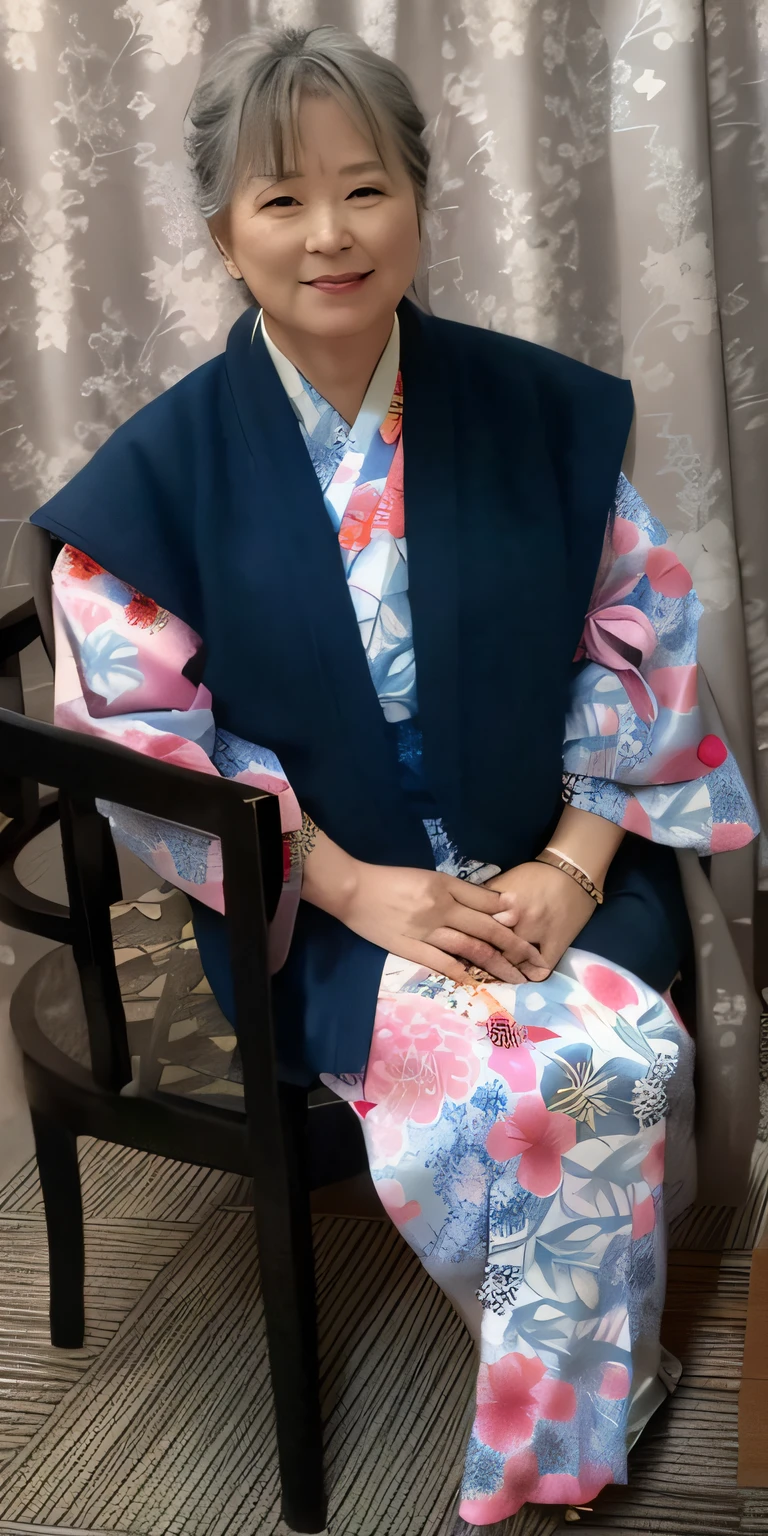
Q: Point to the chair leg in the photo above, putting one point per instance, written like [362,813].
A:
[60,1179]
[286,1262]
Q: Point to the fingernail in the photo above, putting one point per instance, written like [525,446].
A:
[507,918]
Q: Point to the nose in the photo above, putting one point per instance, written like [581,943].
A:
[327,233]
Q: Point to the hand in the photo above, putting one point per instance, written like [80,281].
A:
[552,910]
[431,919]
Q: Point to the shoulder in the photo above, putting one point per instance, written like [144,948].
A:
[157,447]
[135,492]
[182,406]
[510,358]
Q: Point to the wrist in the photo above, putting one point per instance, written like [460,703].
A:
[587,840]
[555,858]
[331,878]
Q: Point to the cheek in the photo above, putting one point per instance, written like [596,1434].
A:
[277,257]
[265,251]
[398,241]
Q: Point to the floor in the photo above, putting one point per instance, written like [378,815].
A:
[753,1397]
[162,1425]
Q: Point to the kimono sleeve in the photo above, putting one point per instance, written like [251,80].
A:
[636,749]
[125,671]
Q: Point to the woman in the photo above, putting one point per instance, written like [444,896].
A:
[373,543]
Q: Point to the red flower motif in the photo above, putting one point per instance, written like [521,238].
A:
[81,566]
[711,751]
[392,424]
[363,1107]
[141,611]
[541,1135]
[512,1395]
[390,513]
[357,522]
[505,1031]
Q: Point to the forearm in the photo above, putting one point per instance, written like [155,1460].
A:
[588,840]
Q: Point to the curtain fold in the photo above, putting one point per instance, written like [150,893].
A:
[599,185]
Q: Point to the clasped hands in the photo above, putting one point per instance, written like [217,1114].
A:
[516,928]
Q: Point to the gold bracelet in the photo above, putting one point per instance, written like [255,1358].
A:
[302,841]
[558,852]
[573,872]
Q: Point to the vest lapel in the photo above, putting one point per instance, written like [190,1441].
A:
[311,610]
[431,531]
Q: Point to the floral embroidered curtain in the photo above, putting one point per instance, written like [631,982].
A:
[599,186]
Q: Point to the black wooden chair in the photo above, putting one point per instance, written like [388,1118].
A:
[136,1082]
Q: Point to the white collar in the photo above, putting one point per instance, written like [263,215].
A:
[378,396]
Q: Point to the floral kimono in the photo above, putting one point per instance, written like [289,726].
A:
[528,1141]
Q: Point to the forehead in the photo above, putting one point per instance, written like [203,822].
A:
[313,135]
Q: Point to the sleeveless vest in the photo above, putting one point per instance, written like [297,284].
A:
[206,501]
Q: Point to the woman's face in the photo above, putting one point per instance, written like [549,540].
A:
[343,215]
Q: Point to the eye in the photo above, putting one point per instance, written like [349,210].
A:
[366,192]
[284,201]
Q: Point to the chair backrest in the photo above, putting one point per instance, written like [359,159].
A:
[17,630]
[29,565]
[246,820]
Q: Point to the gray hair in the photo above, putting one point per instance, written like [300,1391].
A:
[243,118]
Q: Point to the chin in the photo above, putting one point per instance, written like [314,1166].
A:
[343,325]
[326,315]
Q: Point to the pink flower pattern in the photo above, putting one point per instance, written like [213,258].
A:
[537,1135]
[640,688]
[421,1054]
[433,1075]
[512,1395]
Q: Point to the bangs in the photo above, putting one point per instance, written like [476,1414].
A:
[269,142]
[243,119]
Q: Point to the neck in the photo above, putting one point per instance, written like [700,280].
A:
[340,368]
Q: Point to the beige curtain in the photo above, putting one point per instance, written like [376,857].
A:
[599,186]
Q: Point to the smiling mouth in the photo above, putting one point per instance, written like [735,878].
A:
[338,284]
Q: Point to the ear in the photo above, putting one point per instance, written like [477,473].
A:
[218,235]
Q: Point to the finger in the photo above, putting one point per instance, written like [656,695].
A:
[510,916]
[550,952]
[535,972]
[549,948]
[480,926]
[480,897]
[476,952]
[437,960]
